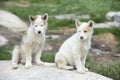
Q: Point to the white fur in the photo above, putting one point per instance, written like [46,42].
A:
[73,51]
[32,44]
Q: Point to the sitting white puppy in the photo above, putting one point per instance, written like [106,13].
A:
[74,50]
[32,43]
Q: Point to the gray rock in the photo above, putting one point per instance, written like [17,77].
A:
[117,17]
[19,3]
[12,37]
[44,73]
[47,46]
[107,25]
[112,24]
[72,16]
[101,25]
[11,21]
[110,15]
[99,52]
[65,16]
[53,36]
[83,17]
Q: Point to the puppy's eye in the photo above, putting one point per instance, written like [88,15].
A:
[85,31]
[41,25]
[35,25]
[79,31]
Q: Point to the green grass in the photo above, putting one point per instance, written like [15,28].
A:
[95,8]
[55,24]
[4,53]
[48,57]
[111,71]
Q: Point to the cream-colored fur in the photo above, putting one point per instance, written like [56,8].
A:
[73,51]
[32,44]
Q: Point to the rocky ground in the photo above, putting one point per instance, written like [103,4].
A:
[44,73]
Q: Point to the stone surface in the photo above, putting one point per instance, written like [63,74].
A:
[72,16]
[12,37]
[53,36]
[11,21]
[44,73]
[110,15]
[113,16]
[107,25]
[117,17]
[16,3]
[47,47]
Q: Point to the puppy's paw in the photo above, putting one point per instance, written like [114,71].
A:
[86,69]
[27,66]
[39,63]
[80,70]
[14,66]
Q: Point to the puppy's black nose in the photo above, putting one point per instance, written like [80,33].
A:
[39,32]
[81,37]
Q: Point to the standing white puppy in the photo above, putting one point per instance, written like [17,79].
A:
[74,50]
[32,44]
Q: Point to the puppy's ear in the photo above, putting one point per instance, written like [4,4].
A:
[45,17]
[90,23]
[77,23]
[32,18]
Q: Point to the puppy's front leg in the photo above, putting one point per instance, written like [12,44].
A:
[83,61]
[78,63]
[28,56]
[37,58]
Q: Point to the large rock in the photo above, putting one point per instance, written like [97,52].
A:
[44,73]
[9,36]
[107,25]
[11,21]
[71,16]
[117,17]
[113,16]
[110,15]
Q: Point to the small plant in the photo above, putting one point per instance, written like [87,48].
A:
[4,53]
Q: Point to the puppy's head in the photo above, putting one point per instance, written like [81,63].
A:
[39,23]
[84,29]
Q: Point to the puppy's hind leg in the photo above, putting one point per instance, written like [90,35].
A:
[15,57]
[61,63]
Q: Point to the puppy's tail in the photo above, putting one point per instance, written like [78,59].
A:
[49,64]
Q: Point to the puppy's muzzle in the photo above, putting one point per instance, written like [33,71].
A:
[81,37]
[39,32]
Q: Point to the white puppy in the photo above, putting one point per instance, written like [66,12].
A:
[32,43]
[73,51]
